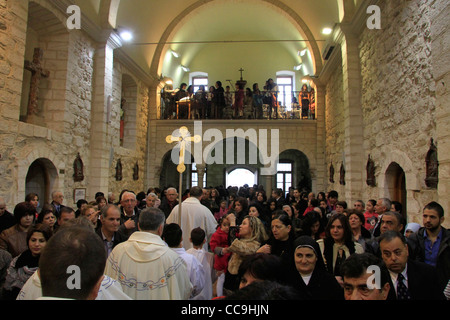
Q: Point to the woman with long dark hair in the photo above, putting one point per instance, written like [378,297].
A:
[338,244]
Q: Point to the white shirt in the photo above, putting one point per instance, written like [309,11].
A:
[193,215]
[207,261]
[394,277]
[109,290]
[195,271]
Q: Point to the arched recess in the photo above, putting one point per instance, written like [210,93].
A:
[158,57]
[231,153]
[47,33]
[54,172]
[301,170]
[40,179]
[169,176]
[395,185]
[411,184]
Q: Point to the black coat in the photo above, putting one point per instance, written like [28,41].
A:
[321,286]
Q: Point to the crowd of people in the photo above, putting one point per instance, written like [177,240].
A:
[223,244]
[240,102]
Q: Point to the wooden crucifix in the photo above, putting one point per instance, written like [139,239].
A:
[241,70]
[183,139]
[37,72]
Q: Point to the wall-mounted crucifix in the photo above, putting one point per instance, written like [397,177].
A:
[37,72]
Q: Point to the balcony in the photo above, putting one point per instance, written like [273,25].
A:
[203,106]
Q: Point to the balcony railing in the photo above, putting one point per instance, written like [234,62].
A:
[203,105]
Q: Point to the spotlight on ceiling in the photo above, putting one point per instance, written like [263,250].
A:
[185,69]
[302,52]
[175,54]
[298,67]
[126,35]
[327,31]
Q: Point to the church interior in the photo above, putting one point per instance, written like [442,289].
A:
[87,97]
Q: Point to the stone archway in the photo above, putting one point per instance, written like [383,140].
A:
[41,179]
[395,164]
[395,185]
[53,170]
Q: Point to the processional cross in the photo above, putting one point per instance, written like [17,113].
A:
[37,72]
[183,139]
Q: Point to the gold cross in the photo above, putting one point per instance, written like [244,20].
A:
[183,139]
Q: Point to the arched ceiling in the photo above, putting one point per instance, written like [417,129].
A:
[192,26]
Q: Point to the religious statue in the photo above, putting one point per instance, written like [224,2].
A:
[370,168]
[331,173]
[119,170]
[136,172]
[37,73]
[78,169]
[342,177]
[432,164]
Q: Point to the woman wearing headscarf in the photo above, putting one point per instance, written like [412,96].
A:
[411,227]
[308,273]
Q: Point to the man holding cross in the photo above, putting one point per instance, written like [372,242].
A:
[193,215]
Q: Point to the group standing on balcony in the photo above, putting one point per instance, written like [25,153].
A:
[243,103]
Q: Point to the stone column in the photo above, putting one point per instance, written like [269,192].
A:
[152,179]
[440,36]
[320,169]
[353,143]
[100,145]
[201,168]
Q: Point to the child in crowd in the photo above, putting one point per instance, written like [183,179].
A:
[198,238]
[223,209]
[370,215]
[219,240]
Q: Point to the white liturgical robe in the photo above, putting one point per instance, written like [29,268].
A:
[148,269]
[193,215]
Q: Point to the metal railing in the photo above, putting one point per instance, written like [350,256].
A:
[204,105]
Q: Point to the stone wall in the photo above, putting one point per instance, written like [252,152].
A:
[67,98]
[398,103]
[334,126]
[399,96]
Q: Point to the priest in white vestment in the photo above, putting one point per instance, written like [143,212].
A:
[193,215]
[145,266]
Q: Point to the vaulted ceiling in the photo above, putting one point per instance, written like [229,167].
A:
[237,30]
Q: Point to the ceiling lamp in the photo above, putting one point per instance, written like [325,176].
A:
[298,67]
[302,52]
[185,69]
[175,54]
[327,31]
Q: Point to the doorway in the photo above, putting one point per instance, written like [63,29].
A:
[396,185]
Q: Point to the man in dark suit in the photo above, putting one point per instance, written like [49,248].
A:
[411,280]
[278,195]
[57,200]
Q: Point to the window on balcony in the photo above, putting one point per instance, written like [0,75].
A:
[285,91]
